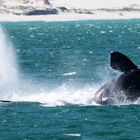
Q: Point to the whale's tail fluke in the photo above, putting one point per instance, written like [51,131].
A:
[119,61]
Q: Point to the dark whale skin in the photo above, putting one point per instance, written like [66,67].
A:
[130,84]
[126,85]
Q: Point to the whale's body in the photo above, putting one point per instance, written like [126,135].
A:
[126,86]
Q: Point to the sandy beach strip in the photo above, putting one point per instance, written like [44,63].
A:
[73,17]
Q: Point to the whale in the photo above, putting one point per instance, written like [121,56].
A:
[124,88]
[5,101]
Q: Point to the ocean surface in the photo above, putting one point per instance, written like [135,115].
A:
[51,71]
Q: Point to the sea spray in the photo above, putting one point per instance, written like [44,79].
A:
[22,89]
[9,76]
[11,89]
[14,88]
[59,96]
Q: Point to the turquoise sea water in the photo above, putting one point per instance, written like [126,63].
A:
[60,66]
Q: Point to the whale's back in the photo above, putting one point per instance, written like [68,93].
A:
[130,84]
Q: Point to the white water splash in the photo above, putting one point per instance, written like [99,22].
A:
[57,97]
[8,65]
[73,135]
[69,73]
[13,88]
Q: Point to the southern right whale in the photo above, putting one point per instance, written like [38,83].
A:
[4,101]
[126,86]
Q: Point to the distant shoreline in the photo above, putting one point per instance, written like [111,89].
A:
[97,15]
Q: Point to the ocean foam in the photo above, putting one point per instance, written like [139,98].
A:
[60,96]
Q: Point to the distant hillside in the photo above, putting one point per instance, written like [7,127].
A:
[44,7]
[20,7]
